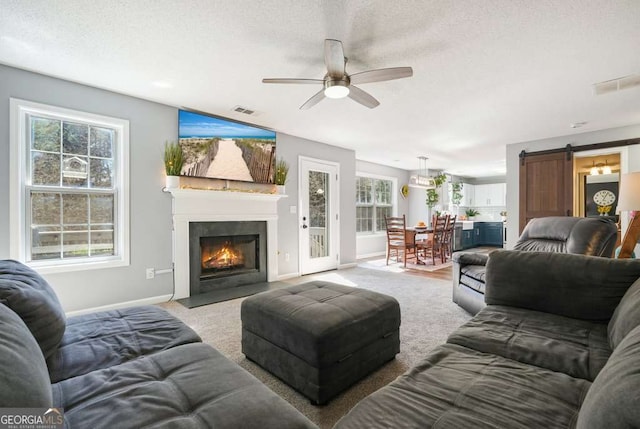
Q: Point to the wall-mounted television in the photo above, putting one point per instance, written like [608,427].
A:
[219,148]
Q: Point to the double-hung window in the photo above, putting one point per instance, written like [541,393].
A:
[69,185]
[374,201]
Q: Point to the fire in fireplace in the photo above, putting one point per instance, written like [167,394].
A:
[228,254]
[223,256]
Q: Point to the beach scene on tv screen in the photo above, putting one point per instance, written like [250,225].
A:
[223,149]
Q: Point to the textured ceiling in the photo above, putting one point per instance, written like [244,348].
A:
[486,72]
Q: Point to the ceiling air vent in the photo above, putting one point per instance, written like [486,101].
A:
[244,110]
[619,84]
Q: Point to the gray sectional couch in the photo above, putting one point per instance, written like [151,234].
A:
[557,346]
[132,368]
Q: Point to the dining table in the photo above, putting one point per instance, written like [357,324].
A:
[414,233]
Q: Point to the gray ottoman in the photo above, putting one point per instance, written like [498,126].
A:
[320,337]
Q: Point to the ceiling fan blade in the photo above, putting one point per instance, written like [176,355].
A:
[334,58]
[292,80]
[362,97]
[319,96]
[380,75]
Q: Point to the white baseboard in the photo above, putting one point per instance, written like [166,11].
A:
[349,265]
[371,255]
[288,276]
[144,301]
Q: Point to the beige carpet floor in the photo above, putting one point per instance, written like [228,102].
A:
[428,317]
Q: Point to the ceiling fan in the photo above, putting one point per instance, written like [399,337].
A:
[338,84]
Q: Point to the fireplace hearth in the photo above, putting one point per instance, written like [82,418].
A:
[226,255]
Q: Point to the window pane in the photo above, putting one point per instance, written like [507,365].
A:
[102,240]
[381,212]
[45,208]
[363,190]
[75,209]
[101,209]
[45,242]
[101,173]
[75,241]
[45,134]
[364,219]
[101,142]
[45,168]
[383,191]
[74,171]
[75,138]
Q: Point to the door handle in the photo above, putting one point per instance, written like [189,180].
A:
[304,225]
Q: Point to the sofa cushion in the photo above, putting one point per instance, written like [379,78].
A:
[30,296]
[472,283]
[456,387]
[24,381]
[190,386]
[612,400]
[576,286]
[576,347]
[626,316]
[99,340]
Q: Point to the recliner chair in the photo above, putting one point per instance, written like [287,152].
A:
[593,236]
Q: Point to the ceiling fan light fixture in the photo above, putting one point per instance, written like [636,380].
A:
[336,89]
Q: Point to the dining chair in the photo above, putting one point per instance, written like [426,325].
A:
[397,238]
[448,238]
[433,246]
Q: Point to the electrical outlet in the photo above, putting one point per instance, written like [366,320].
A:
[286,257]
[151,273]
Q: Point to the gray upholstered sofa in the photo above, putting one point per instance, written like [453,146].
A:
[557,346]
[585,236]
[131,368]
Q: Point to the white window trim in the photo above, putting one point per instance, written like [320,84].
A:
[18,236]
[394,198]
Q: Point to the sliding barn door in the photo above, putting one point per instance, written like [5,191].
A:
[546,186]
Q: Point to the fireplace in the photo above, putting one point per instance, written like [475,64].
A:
[225,255]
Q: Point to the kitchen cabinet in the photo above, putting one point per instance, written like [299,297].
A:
[467,195]
[478,234]
[492,234]
[490,195]
[482,234]
[467,238]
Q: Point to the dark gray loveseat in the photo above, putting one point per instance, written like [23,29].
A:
[131,368]
[584,236]
[557,346]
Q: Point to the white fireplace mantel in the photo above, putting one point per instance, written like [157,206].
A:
[196,205]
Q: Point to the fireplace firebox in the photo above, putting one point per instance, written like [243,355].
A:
[226,254]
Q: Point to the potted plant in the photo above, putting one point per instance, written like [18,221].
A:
[471,213]
[173,161]
[432,198]
[282,171]
[456,193]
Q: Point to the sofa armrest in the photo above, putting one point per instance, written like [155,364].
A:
[470,258]
[577,286]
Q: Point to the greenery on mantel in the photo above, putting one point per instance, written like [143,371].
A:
[173,158]
[282,171]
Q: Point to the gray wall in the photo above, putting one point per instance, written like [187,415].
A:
[376,244]
[151,124]
[290,147]
[513,169]
[150,223]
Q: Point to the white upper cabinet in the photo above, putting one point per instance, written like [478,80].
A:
[468,195]
[490,195]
